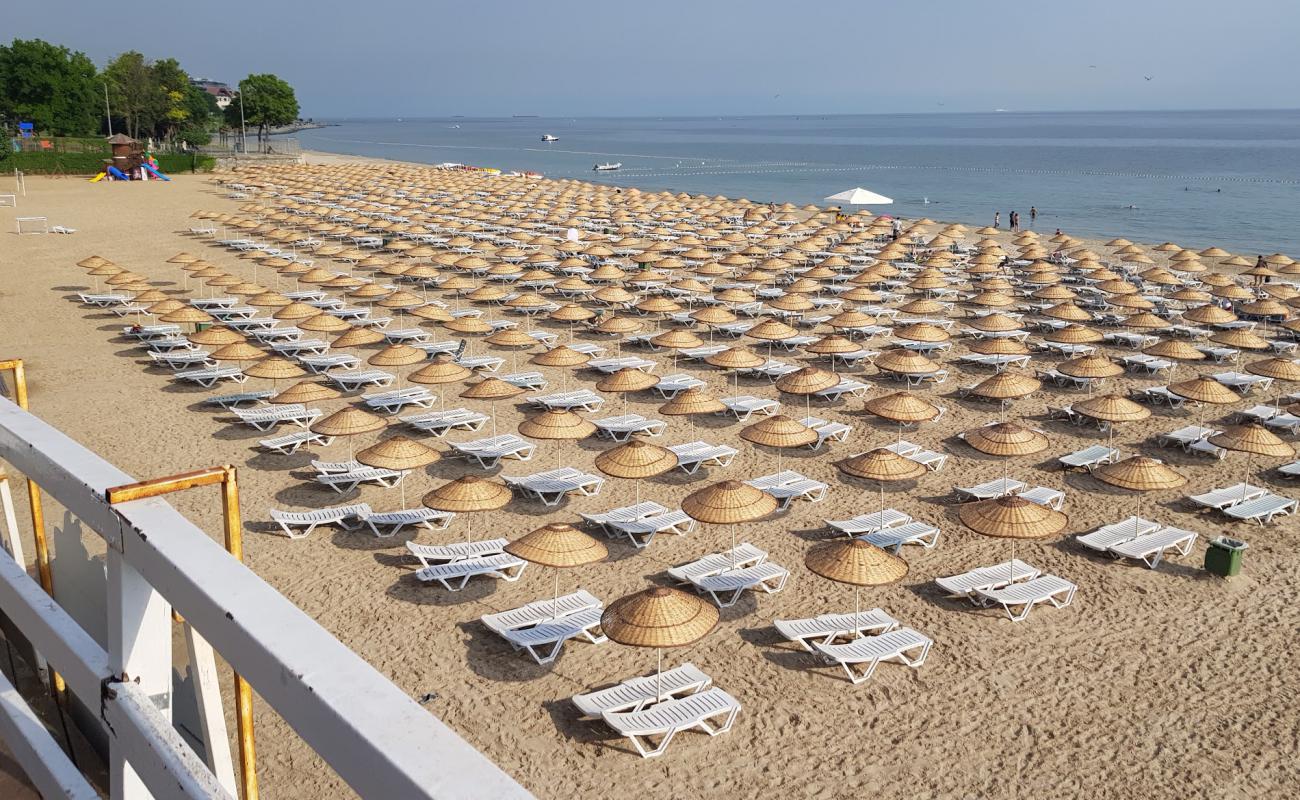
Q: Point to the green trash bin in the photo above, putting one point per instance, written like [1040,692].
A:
[1223,558]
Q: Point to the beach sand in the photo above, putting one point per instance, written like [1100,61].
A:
[1162,683]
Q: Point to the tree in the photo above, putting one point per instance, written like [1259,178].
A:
[268,102]
[172,87]
[134,92]
[50,86]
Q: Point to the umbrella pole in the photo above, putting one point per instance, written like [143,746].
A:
[555,598]
[856,630]
[659,674]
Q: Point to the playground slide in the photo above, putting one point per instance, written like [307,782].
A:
[97,178]
[155,172]
[117,173]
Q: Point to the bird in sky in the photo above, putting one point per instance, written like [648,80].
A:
[1148,77]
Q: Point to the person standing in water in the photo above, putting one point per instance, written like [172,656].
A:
[997,218]
[1033,215]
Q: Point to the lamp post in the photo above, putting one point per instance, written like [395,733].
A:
[243,131]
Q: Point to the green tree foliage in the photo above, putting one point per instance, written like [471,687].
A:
[48,85]
[268,102]
[134,93]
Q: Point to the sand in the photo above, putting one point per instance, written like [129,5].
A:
[1164,683]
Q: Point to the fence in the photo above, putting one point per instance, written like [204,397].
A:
[372,734]
[231,147]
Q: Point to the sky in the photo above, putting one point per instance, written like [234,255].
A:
[413,58]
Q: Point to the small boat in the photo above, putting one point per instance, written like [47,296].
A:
[546,137]
[607,167]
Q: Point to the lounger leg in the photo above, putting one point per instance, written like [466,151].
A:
[864,676]
[658,750]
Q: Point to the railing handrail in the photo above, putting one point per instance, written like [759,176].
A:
[371,733]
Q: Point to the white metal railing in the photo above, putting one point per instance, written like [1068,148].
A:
[372,734]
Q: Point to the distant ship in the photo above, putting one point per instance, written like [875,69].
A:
[546,137]
[607,167]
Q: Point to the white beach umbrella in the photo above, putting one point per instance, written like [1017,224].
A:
[859,197]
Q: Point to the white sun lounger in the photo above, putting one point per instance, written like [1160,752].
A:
[532,381]
[915,532]
[853,388]
[385,524]
[1160,395]
[827,628]
[635,694]
[869,523]
[998,575]
[1045,496]
[490,451]
[1222,498]
[1291,470]
[147,332]
[393,401]
[1043,589]
[744,555]
[826,430]
[322,364]
[787,486]
[641,532]
[693,455]
[177,360]
[481,363]
[352,380]
[746,406]
[625,514]
[544,640]
[440,423]
[625,426]
[429,555]
[1261,510]
[540,611]
[902,447]
[207,378]
[233,401]
[726,587]
[667,718]
[1108,536]
[1242,382]
[267,417]
[336,467]
[611,365]
[1152,547]
[1290,423]
[552,486]
[670,386]
[300,524]
[585,399]
[904,646]
[1090,458]
[343,482]
[289,443]
[990,489]
[503,566]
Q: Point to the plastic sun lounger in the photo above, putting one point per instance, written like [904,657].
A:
[692,456]
[352,380]
[207,378]
[1043,589]
[532,381]
[429,555]
[232,401]
[989,490]
[727,587]
[392,402]
[743,555]
[386,524]
[343,482]
[1090,458]
[1263,509]
[490,451]
[503,566]
[290,443]
[667,718]
[904,646]
[869,523]
[625,426]
[540,611]
[1045,496]
[1286,421]
[670,386]
[625,514]
[585,399]
[641,532]
[745,406]
[827,628]
[918,533]
[1151,548]
[1220,499]
[264,419]
[845,386]
[826,431]
[787,486]
[292,521]
[440,423]
[322,364]
[635,694]
[544,640]
[1291,470]
[1108,536]
[552,486]
[998,575]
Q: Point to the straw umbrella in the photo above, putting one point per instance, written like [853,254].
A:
[468,495]
[692,401]
[1111,409]
[856,563]
[216,336]
[626,381]
[348,422]
[1281,370]
[636,460]
[1253,440]
[397,355]
[560,546]
[398,453]
[492,390]
[561,356]
[443,370]
[883,466]
[1090,367]
[807,382]
[1006,439]
[1204,390]
[557,425]
[658,617]
[778,432]
[305,392]
[729,503]
[1011,517]
[735,359]
[275,369]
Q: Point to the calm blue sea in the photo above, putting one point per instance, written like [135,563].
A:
[1199,178]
